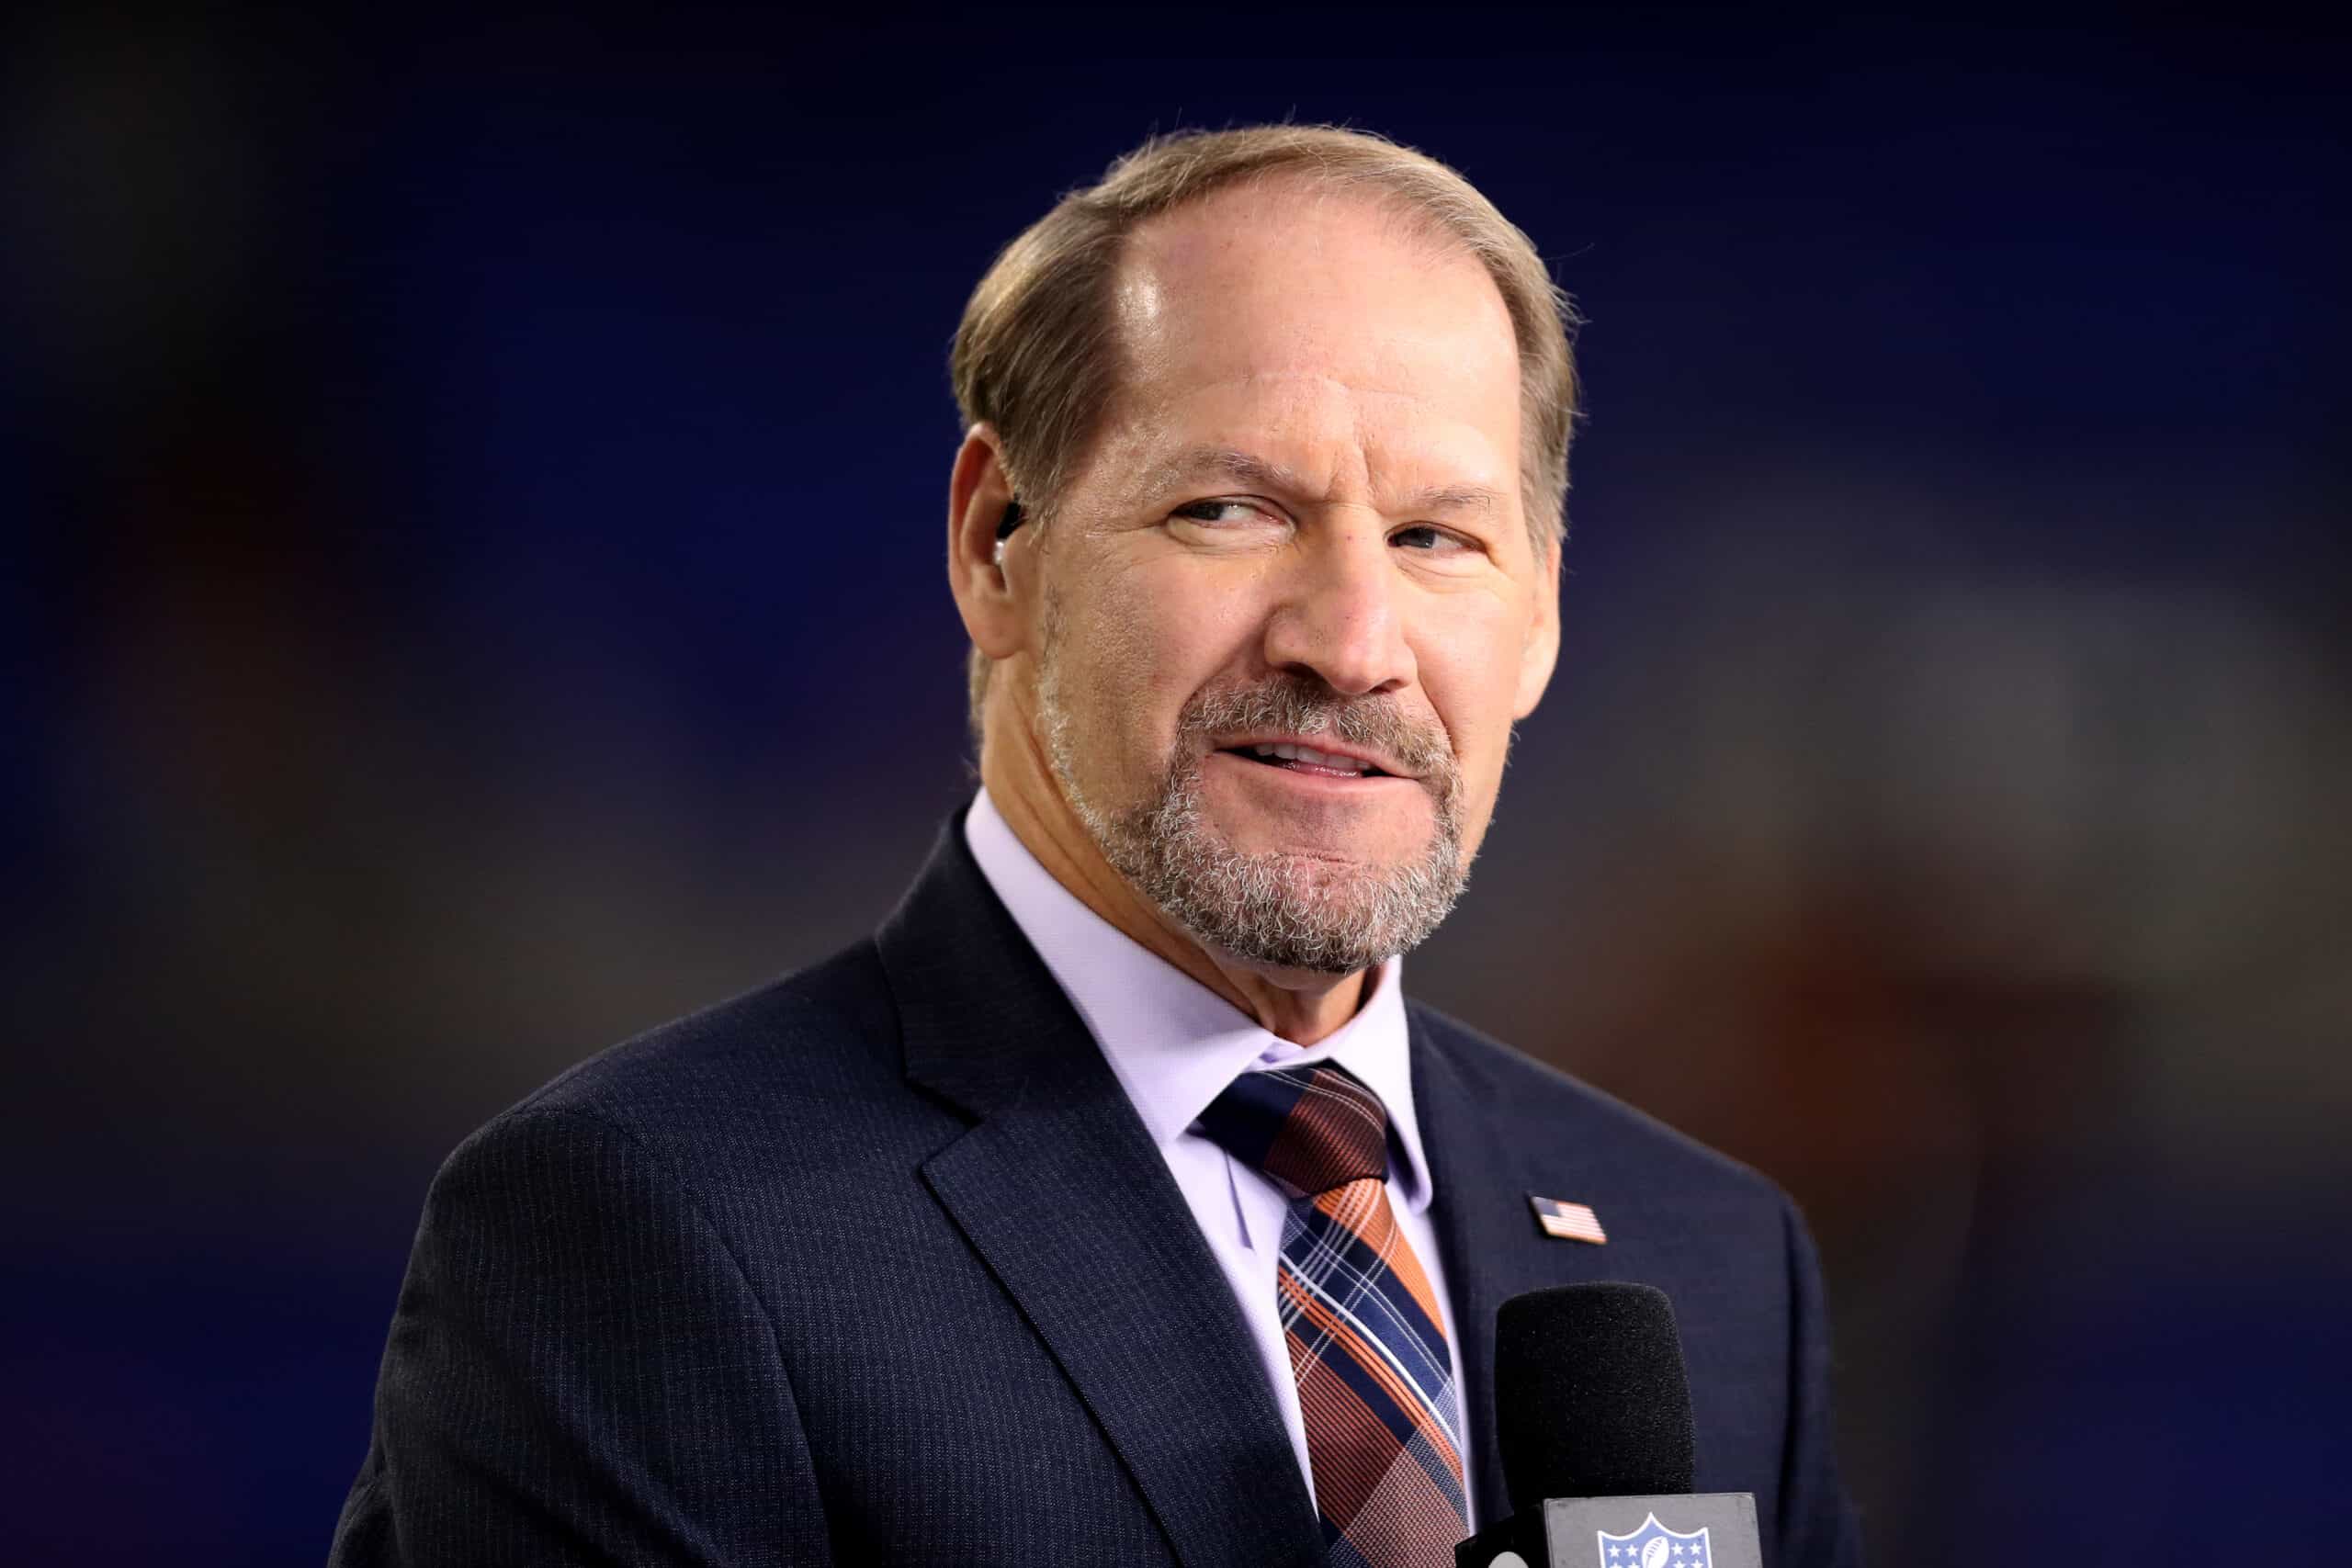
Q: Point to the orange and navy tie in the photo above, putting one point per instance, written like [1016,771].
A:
[1366,1338]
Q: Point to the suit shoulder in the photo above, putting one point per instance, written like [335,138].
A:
[1530,1096]
[815,1036]
[767,1116]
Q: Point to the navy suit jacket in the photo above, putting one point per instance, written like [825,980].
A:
[878,1264]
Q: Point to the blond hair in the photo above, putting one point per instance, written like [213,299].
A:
[1037,355]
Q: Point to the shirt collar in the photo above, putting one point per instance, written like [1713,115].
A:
[1172,1042]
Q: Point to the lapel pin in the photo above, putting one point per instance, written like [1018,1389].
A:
[1567,1222]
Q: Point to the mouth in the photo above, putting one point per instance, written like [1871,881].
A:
[1314,762]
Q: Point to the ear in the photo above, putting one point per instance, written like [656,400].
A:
[1543,648]
[978,491]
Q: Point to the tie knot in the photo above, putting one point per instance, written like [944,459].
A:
[1310,1129]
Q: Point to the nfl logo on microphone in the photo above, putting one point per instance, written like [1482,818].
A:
[1654,1546]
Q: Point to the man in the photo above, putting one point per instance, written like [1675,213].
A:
[1111,1205]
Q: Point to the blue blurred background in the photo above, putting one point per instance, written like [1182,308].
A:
[476,591]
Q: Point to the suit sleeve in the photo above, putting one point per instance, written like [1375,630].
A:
[1819,1526]
[577,1372]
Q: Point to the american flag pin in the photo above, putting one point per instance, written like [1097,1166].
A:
[1568,1222]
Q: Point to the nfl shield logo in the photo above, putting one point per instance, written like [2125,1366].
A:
[1654,1546]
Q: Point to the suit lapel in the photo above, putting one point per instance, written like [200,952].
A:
[1483,1165]
[1060,1189]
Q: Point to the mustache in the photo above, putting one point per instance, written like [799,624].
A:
[1307,707]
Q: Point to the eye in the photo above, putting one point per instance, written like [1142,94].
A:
[1217,512]
[1228,522]
[1427,538]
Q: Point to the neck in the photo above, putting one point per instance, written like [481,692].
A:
[1295,1005]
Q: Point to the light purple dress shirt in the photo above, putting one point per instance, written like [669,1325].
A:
[1173,1045]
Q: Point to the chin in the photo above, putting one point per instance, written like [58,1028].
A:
[1325,875]
[1385,832]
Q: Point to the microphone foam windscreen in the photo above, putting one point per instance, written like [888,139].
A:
[1590,1395]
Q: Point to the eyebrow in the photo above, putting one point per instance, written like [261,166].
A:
[1248,467]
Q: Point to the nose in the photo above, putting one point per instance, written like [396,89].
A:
[1340,616]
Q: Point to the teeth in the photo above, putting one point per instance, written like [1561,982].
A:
[1290,753]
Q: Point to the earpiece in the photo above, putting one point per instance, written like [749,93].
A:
[1004,527]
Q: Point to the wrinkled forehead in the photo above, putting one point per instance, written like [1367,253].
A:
[1281,282]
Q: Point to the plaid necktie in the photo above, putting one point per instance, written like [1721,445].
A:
[1367,1341]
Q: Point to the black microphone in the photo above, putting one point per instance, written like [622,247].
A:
[1592,1411]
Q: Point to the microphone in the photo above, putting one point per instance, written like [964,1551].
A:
[1592,1411]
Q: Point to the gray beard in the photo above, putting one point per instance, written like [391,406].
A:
[1285,910]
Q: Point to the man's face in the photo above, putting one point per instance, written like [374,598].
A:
[1300,525]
